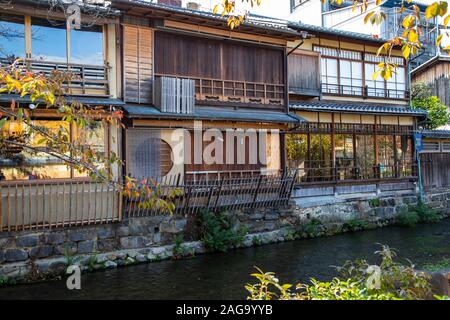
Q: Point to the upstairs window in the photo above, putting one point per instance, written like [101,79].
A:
[12,36]
[48,40]
[91,54]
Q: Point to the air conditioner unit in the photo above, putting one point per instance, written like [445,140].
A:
[174,95]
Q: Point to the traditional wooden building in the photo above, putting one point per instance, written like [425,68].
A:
[38,190]
[359,129]
[435,73]
[435,159]
[185,73]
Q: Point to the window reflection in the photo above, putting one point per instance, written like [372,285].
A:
[94,136]
[48,40]
[81,53]
[12,37]
[20,163]
[344,156]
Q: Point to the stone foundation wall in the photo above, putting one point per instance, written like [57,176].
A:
[37,255]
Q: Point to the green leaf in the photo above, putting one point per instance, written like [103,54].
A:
[3,122]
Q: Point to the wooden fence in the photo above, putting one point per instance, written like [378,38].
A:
[225,193]
[435,170]
[36,205]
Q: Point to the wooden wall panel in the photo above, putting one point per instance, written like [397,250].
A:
[303,73]
[435,169]
[138,64]
[206,58]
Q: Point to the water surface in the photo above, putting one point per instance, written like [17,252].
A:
[223,276]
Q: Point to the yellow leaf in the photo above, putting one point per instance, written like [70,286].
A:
[367,17]
[413,36]
[438,40]
[432,11]
[408,21]
[216,9]
[446,20]
[406,50]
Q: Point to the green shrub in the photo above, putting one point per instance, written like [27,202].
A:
[375,202]
[312,227]
[396,282]
[355,225]
[218,232]
[427,214]
[407,217]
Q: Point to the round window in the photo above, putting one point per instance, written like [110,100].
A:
[166,158]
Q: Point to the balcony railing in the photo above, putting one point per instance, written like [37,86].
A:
[244,92]
[365,92]
[86,80]
[332,175]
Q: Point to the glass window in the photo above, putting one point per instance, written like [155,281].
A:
[12,37]
[351,77]
[404,155]
[386,156]
[375,88]
[93,135]
[321,158]
[330,75]
[297,152]
[20,163]
[396,85]
[344,156]
[91,54]
[48,40]
[365,156]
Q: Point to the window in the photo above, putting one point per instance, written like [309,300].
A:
[12,36]
[20,163]
[330,83]
[344,156]
[320,157]
[48,40]
[351,80]
[386,156]
[82,54]
[365,156]
[296,3]
[342,73]
[49,43]
[297,152]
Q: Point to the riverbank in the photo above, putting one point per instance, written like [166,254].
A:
[46,255]
[223,275]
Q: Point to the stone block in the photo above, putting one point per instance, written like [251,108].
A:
[174,226]
[256,216]
[88,246]
[105,232]
[80,234]
[66,248]
[29,240]
[41,251]
[123,231]
[105,245]
[272,216]
[110,265]
[55,238]
[12,255]
[133,242]
[6,243]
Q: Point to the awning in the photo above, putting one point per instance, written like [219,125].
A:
[366,108]
[436,134]
[215,113]
[92,101]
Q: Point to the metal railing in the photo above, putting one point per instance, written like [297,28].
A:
[85,79]
[349,174]
[226,193]
[30,205]
[363,91]
[207,89]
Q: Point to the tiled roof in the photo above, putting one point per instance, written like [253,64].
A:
[149,111]
[336,32]
[92,101]
[436,134]
[269,24]
[354,108]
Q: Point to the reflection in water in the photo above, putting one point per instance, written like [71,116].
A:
[222,276]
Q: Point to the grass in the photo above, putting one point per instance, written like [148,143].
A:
[437,266]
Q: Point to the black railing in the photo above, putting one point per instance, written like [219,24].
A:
[364,91]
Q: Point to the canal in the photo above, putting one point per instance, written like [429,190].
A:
[222,276]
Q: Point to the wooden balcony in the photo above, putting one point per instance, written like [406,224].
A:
[236,92]
[87,80]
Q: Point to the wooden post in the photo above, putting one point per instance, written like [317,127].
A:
[257,191]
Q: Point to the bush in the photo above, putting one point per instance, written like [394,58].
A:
[312,227]
[218,232]
[355,225]
[375,202]
[427,214]
[407,217]
[395,282]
